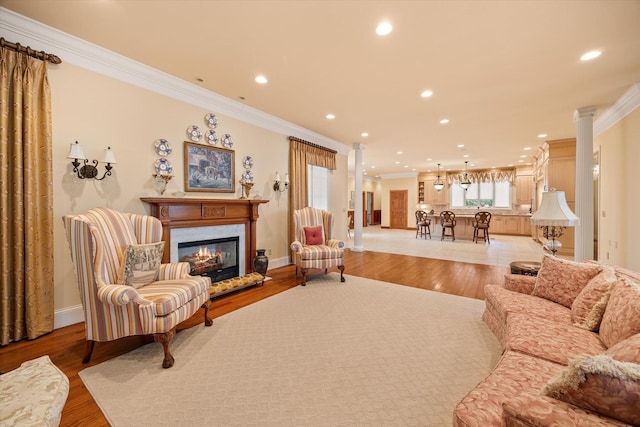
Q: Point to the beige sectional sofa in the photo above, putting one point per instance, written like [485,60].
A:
[571,339]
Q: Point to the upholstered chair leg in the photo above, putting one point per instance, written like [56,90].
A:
[341,267]
[207,319]
[304,277]
[165,339]
[88,350]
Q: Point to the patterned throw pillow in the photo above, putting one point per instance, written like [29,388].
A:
[140,264]
[313,235]
[561,281]
[600,384]
[588,307]
[622,316]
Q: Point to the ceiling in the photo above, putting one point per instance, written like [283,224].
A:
[502,72]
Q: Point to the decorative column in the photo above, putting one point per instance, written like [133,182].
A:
[584,183]
[357,203]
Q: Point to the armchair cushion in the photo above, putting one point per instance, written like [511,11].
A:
[313,235]
[561,281]
[601,384]
[141,264]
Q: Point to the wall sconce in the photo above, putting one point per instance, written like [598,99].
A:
[88,171]
[276,182]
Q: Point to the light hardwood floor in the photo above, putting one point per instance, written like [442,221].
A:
[65,346]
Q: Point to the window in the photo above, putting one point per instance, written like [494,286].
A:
[318,180]
[482,195]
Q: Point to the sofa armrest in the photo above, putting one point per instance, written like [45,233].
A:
[174,271]
[537,410]
[519,283]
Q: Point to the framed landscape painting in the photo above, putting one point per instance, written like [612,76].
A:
[208,168]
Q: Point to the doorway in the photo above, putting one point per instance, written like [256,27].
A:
[398,208]
[367,208]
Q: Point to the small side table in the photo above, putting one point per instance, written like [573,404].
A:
[527,268]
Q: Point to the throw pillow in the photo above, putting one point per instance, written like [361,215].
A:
[626,350]
[141,263]
[600,384]
[561,281]
[588,307]
[621,318]
[313,235]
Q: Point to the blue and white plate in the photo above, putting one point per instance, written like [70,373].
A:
[163,166]
[211,120]
[163,148]
[247,175]
[227,141]
[211,136]
[194,132]
[247,162]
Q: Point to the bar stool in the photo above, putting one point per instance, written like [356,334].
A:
[481,222]
[423,224]
[448,220]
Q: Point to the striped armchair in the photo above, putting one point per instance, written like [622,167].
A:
[314,247]
[98,240]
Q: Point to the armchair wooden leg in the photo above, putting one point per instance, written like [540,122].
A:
[341,267]
[88,351]
[304,276]
[207,319]
[165,339]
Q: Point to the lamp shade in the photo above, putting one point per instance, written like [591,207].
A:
[75,151]
[553,211]
[109,157]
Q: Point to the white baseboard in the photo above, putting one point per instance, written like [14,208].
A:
[72,315]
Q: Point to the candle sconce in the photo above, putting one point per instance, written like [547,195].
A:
[277,186]
[90,171]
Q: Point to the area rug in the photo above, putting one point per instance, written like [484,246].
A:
[362,352]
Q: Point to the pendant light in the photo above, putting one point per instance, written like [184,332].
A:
[438,185]
[465,183]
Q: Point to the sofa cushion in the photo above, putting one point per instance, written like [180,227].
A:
[140,264]
[588,307]
[622,316]
[601,384]
[626,350]
[557,342]
[561,280]
[514,374]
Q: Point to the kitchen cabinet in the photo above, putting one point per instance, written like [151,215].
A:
[421,192]
[432,196]
[524,189]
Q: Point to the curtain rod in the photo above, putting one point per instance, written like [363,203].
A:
[30,52]
[293,138]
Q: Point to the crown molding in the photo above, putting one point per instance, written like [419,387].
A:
[73,50]
[399,175]
[623,106]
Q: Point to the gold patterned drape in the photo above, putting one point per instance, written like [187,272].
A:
[482,175]
[301,154]
[26,198]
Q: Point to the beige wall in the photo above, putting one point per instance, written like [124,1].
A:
[409,184]
[99,111]
[369,185]
[619,202]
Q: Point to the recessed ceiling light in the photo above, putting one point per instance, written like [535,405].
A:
[527,148]
[522,156]
[542,135]
[398,152]
[444,121]
[429,159]
[472,164]
[384,28]
[466,155]
[373,167]
[364,134]
[590,55]
[331,116]
[397,163]
[520,161]
[261,79]
[426,93]
[460,145]
[406,166]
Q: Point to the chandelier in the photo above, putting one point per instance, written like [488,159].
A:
[439,184]
[465,183]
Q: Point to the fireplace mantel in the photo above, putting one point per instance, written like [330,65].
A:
[185,212]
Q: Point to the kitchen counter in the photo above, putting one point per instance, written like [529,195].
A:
[517,224]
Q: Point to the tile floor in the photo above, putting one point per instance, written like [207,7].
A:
[502,250]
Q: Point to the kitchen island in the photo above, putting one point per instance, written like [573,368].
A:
[507,223]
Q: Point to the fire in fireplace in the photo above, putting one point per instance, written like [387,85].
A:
[216,258]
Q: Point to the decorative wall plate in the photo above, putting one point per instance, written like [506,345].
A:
[163,148]
[247,176]
[211,120]
[227,141]
[247,162]
[163,166]
[211,136]
[194,132]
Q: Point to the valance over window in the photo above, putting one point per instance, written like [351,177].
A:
[482,175]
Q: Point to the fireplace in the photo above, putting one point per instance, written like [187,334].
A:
[216,258]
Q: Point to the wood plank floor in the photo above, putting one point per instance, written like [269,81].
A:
[65,346]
